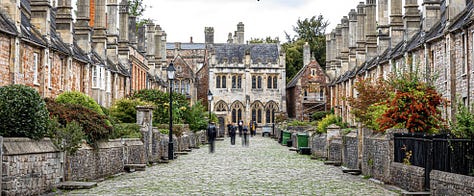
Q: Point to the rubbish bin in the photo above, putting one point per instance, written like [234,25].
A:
[286,137]
[302,140]
[280,139]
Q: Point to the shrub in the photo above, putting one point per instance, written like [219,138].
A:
[161,100]
[464,125]
[22,112]
[326,121]
[126,130]
[316,116]
[124,110]
[67,138]
[196,117]
[95,126]
[373,113]
[74,97]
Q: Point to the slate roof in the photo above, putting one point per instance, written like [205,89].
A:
[29,33]
[437,30]
[294,80]
[415,42]
[186,46]
[463,18]
[6,25]
[96,58]
[262,52]
[56,42]
[398,50]
[79,54]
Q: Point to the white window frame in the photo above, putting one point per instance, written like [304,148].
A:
[35,69]
[102,78]
[108,88]
[95,72]
[50,67]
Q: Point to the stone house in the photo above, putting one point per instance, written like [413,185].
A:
[435,42]
[247,81]
[307,92]
[45,49]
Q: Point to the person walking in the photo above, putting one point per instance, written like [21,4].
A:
[251,129]
[245,139]
[240,127]
[254,128]
[211,136]
[232,134]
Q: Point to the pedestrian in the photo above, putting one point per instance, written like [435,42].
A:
[240,127]
[245,139]
[232,134]
[251,129]
[254,128]
[229,127]
[211,136]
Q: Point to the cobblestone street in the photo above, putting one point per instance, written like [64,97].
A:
[263,168]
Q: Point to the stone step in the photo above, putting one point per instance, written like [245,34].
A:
[347,170]
[293,149]
[187,150]
[355,173]
[134,167]
[335,163]
[407,193]
[219,139]
[72,185]
[163,161]
[181,153]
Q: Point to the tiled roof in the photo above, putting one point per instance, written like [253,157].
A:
[6,25]
[186,46]
[385,56]
[258,52]
[30,33]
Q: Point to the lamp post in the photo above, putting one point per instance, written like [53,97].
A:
[209,99]
[171,71]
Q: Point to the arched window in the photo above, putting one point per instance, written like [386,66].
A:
[275,82]
[269,82]
[270,108]
[224,82]
[259,116]
[254,82]
[221,106]
[259,82]
[218,82]
[237,108]
[234,116]
[254,115]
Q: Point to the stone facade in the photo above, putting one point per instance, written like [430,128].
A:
[443,183]
[407,177]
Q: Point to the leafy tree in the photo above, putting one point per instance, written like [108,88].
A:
[414,105]
[464,125]
[124,110]
[196,117]
[136,7]
[369,93]
[267,40]
[294,58]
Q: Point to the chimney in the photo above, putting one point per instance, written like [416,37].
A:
[158,36]
[383,28]
[412,18]
[141,38]
[338,41]
[360,51]
[345,44]
[82,31]
[306,54]
[41,16]
[328,51]
[209,35]
[99,37]
[10,7]
[191,39]
[123,18]
[371,29]
[396,22]
[132,30]
[240,33]
[150,43]
[454,8]
[163,46]
[64,21]
[352,38]
[112,33]
[431,13]
[229,38]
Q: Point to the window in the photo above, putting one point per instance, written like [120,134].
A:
[259,116]
[102,78]
[239,114]
[464,54]
[254,115]
[62,74]
[313,72]
[267,116]
[269,82]
[50,67]
[254,82]
[234,82]
[234,116]
[321,94]
[275,82]
[239,81]
[94,77]
[35,69]
[108,84]
[259,82]
[218,82]
[224,82]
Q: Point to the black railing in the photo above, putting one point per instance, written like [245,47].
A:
[438,152]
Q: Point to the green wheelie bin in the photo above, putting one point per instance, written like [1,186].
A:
[302,140]
[286,137]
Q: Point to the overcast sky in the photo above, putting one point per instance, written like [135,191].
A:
[182,19]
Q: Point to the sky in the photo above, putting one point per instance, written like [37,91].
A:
[182,19]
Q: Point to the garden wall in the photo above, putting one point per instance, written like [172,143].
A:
[319,145]
[443,183]
[377,156]
[408,177]
[350,153]
[29,167]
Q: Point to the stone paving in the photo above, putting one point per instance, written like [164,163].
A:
[263,168]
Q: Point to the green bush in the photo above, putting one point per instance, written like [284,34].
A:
[326,121]
[464,125]
[317,116]
[22,112]
[196,117]
[95,126]
[74,97]
[375,112]
[126,130]
[164,131]
[124,110]
[67,138]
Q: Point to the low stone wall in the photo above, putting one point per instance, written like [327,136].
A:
[408,177]
[30,167]
[350,154]
[335,150]
[134,151]
[377,156]
[319,146]
[443,183]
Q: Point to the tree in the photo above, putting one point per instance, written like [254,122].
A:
[136,7]
[267,40]
[294,58]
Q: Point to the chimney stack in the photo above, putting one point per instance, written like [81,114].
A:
[132,30]
[150,44]
[371,29]
[431,13]
[345,44]
[383,27]
[112,32]
[360,51]
[411,18]
[240,33]
[396,22]
[41,16]
[82,29]
[306,54]
[141,38]
[352,38]
[209,35]
[123,49]
[454,8]
[64,21]
[99,37]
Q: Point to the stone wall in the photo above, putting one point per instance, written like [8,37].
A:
[319,146]
[443,183]
[30,167]
[335,150]
[350,153]
[377,156]
[408,177]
